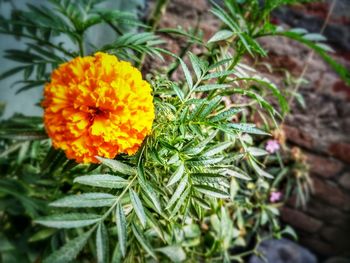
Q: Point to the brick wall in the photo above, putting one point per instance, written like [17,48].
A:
[322,130]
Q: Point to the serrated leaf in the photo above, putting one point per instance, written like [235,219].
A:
[85,200]
[234,173]
[219,74]
[102,180]
[207,87]
[142,240]
[178,92]
[23,134]
[195,64]
[72,220]
[212,104]
[221,35]
[207,177]
[70,250]
[211,191]
[138,207]
[117,166]
[42,234]
[246,127]
[174,252]
[314,37]
[147,188]
[200,147]
[225,115]
[256,151]
[181,187]
[121,228]
[102,244]
[220,147]
[260,171]
[204,161]
[177,175]
[187,74]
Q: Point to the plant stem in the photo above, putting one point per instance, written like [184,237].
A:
[81,45]
[157,14]
[153,22]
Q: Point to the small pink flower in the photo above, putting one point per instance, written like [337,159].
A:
[272,146]
[275,197]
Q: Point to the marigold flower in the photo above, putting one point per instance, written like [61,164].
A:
[97,106]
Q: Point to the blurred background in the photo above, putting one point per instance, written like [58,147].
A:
[319,122]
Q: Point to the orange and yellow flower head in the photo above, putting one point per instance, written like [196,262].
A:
[97,106]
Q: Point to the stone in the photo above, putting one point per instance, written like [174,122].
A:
[316,245]
[323,166]
[300,220]
[340,150]
[330,193]
[283,251]
[337,236]
[324,212]
[344,180]
[298,136]
[337,260]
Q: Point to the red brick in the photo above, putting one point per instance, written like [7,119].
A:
[300,220]
[322,166]
[330,194]
[341,150]
[298,136]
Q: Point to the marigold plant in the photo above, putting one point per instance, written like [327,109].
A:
[199,181]
[97,106]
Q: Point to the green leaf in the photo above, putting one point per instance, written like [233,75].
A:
[72,220]
[138,207]
[259,171]
[70,250]
[314,37]
[225,115]
[121,227]
[208,87]
[246,127]
[187,74]
[340,69]
[204,161]
[211,106]
[142,240]
[196,64]
[147,188]
[42,234]
[117,166]
[102,180]
[177,175]
[85,200]
[221,35]
[207,177]
[23,134]
[174,252]
[181,187]
[218,148]
[200,147]
[235,173]
[102,244]
[211,191]
[256,151]
[219,74]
